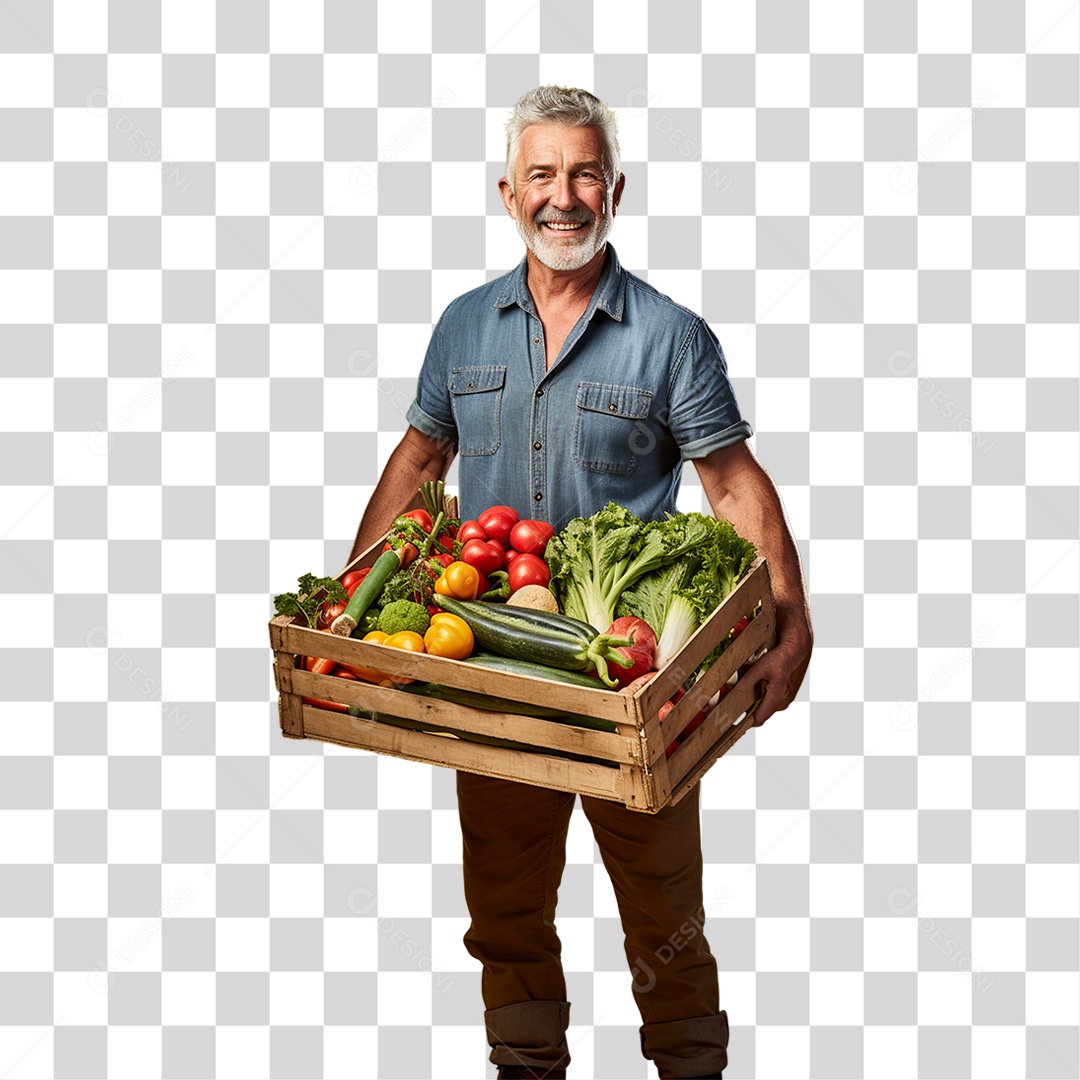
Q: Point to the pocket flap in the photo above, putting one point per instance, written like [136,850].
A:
[626,401]
[475,380]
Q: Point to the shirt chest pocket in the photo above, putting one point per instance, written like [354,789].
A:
[609,427]
[476,401]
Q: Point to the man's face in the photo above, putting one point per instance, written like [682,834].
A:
[561,202]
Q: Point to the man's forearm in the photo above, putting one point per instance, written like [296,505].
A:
[752,504]
[396,491]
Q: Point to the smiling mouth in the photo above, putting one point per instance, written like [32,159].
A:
[563,226]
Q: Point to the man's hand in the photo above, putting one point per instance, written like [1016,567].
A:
[782,670]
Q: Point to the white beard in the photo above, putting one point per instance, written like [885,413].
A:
[570,253]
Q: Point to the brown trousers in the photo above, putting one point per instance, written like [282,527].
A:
[514,851]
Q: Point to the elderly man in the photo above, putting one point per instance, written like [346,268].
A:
[561,385]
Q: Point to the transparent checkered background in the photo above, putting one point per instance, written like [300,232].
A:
[225,233]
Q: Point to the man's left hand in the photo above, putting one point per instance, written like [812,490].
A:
[782,670]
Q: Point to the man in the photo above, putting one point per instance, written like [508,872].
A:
[561,385]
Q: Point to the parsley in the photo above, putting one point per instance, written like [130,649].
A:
[308,601]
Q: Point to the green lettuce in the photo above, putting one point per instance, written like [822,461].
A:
[691,559]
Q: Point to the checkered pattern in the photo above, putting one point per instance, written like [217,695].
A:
[226,231]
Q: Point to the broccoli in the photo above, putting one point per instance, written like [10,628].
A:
[404,615]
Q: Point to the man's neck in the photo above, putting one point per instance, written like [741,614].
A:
[563,288]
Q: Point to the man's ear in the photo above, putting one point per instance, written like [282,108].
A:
[507,197]
[617,191]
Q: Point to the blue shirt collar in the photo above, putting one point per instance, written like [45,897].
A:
[609,294]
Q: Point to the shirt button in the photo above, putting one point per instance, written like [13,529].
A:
[539,393]
[536,341]
[612,406]
[538,496]
[538,446]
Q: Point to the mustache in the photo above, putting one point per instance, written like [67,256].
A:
[586,218]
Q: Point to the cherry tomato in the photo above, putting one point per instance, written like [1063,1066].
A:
[444,540]
[449,636]
[497,521]
[531,536]
[459,580]
[485,555]
[509,557]
[421,517]
[471,530]
[528,570]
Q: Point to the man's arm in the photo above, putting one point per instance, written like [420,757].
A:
[416,459]
[740,490]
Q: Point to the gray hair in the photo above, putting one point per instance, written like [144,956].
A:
[570,107]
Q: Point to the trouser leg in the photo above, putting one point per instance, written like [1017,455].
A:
[655,865]
[513,854]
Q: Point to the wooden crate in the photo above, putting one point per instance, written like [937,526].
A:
[628,764]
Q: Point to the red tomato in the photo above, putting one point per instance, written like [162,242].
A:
[354,577]
[485,555]
[531,536]
[497,521]
[528,570]
[421,517]
[471,530]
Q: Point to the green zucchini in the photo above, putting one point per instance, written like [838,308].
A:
[537,671]
[504,630]
[367,592]
[551,619]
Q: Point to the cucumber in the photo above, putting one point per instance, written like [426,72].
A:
[367,591]
[497,704]
[537,671]
[551,619]
[505,630]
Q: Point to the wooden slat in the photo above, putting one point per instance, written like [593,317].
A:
[600,703]
[760,633]
[717,734]
[536,769]
[289,713]
[547,734]
[743,598]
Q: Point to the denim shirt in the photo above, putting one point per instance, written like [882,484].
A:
[640,385]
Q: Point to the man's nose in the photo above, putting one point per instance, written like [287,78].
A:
[562,195]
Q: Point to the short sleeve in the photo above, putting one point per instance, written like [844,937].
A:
[430,410]
[704,414]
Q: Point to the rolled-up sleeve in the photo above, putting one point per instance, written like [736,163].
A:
[430,410]
[704,414]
